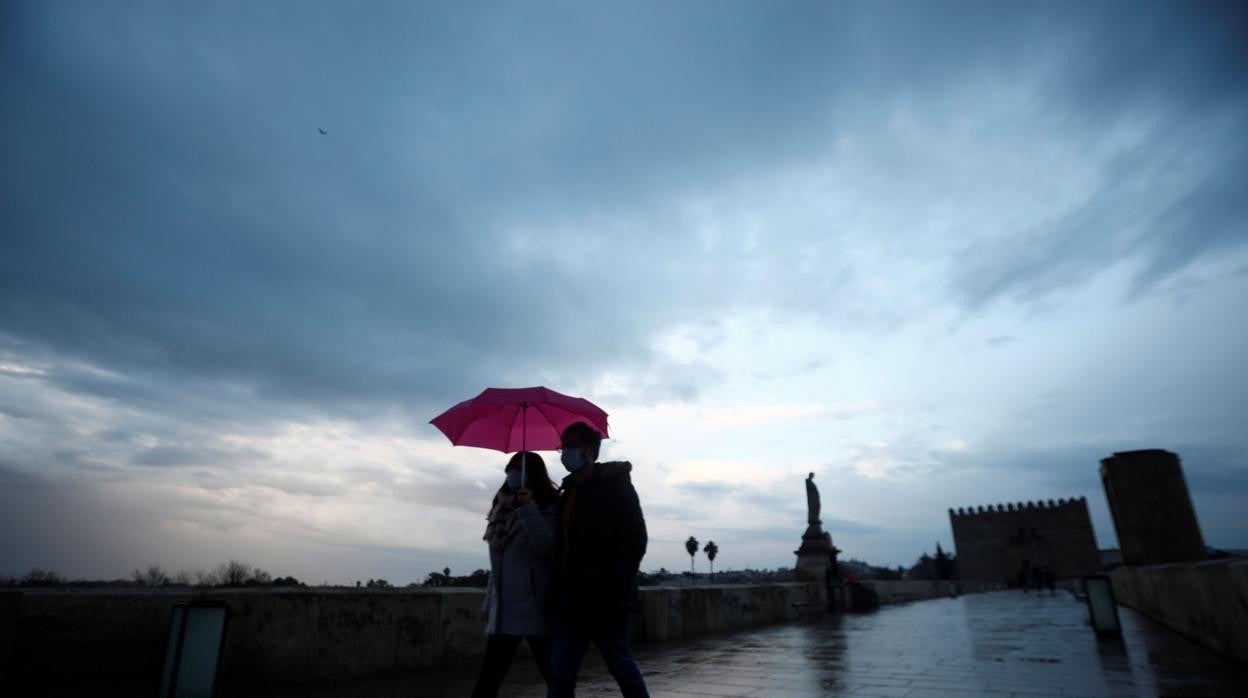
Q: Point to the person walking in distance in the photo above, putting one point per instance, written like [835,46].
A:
[522,539]
[602,539]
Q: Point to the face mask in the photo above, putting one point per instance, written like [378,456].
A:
[513,479]
[571,459]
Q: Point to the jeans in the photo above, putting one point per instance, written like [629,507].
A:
[499,651]
[569,641]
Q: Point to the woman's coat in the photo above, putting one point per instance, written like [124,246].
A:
[515,599]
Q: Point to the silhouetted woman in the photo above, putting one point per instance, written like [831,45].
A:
[521,535]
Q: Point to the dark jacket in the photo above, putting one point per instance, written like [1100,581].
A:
[602,538]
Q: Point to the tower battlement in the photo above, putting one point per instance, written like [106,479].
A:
[1020,507]
[999,542]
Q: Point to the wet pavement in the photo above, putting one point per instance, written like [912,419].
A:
[997,644]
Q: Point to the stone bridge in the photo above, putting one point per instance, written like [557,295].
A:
[997,644]
[993,644]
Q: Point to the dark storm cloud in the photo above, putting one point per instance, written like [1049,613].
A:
[1177,196]
[1210,468]
[712,494]
[715,493]
[173,215]
[1196,216]
[498,200]
[193,454]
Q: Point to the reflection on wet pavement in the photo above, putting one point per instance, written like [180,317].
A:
[998,644]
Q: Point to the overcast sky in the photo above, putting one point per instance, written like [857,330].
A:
[941,254]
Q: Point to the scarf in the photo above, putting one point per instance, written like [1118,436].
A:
[502,518]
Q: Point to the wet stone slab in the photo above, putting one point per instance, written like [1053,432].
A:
[999,644]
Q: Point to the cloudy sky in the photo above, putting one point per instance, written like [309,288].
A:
[942,254]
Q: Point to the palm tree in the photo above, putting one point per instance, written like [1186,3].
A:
[691,546]
[711,549]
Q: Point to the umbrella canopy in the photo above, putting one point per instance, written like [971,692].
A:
[517,419]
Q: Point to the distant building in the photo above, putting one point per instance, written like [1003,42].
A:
[998,543]
[1152,510]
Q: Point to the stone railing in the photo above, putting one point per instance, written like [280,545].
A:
[868,594]
[272,635]
[301,635]
[1207,602]
[671,613]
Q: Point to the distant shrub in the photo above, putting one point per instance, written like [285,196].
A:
[232,573]
[39,577]
[478,578]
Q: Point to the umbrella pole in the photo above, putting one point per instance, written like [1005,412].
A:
[524,449]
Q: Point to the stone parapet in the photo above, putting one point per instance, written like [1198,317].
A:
[284,635]
[1207,602]
[891,592]
[307,635]
[314,635]
[671,613]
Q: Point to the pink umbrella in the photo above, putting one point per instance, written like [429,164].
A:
[517,419]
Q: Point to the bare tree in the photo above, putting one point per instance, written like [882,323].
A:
[182,578]
[153,576]
[234,573]
[207,578]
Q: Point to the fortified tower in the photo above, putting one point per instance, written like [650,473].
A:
[1152,510]
[996,543]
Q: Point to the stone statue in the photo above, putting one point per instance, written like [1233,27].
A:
[816,558]
[812,501]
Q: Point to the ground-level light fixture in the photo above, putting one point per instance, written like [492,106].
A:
[196,637]
[1102,606]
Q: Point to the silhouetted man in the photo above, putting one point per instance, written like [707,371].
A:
[1037,578]
[602,538]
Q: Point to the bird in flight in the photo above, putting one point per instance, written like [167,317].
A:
[323,131]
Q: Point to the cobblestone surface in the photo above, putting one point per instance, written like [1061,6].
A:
[999,644]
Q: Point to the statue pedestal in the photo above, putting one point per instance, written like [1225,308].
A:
[816,562]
